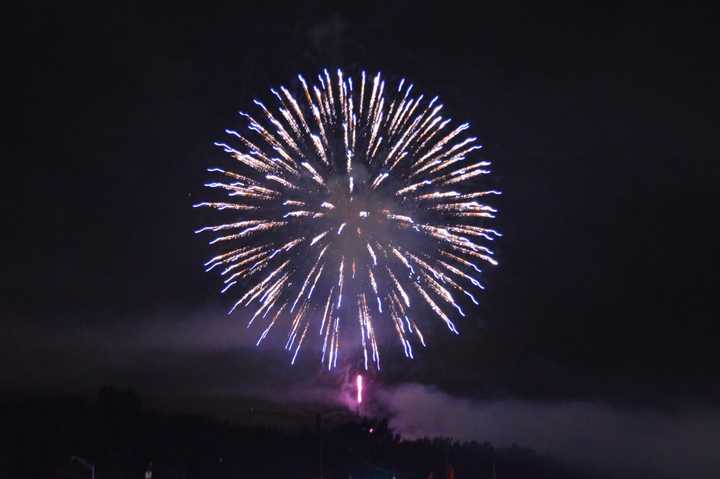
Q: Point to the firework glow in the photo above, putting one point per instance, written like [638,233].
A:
[359,384]
[351,202]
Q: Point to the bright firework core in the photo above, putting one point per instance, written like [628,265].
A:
[351,202]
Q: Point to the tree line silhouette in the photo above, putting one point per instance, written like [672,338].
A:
[62,437]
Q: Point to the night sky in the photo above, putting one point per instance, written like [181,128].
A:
[602,128]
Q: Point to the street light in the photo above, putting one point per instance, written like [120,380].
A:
[86,464]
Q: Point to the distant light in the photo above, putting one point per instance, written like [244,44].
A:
[359,382]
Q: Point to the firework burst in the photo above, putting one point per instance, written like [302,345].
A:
[351,202]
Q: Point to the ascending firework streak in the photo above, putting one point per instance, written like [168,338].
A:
[351,199]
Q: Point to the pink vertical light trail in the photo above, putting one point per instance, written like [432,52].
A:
[359,382]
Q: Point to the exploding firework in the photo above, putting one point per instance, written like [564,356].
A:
[351,202]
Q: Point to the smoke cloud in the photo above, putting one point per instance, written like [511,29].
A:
[590,435]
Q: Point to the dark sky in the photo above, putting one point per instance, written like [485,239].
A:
[601,123]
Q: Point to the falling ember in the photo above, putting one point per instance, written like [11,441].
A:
[359,383]
[351,204]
